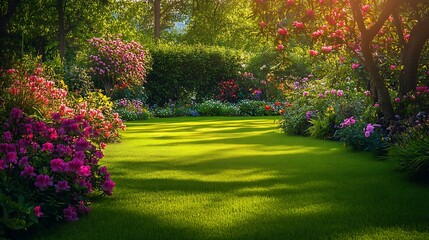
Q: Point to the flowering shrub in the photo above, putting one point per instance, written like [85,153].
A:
[97,109]
[48,170]
[32,92]
[131,109]
[361,136]
[227,91]
[118,64]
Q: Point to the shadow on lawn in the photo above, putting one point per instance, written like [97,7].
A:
[287,188]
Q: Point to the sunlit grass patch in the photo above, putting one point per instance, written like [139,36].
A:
[240,178]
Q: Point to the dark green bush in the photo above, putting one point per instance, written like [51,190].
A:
[182,72]
[355,139]
[412,155]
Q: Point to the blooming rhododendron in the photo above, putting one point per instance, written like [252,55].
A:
[38,211]
[43,181]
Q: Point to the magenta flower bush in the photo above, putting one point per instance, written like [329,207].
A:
[48,170]
[118,64]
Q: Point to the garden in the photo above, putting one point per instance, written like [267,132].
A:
[234,119]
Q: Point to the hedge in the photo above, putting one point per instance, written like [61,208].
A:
[185,72]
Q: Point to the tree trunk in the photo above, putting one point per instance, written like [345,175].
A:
[410,58]
[61,5]
[157,19]
[377,81]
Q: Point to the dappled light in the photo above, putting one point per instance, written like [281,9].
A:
[182,179]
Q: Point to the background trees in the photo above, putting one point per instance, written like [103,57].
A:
[373,31]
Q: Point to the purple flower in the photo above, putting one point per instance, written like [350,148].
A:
[62,186]
[16,114]
[11,157]
[7,136]
[81,144]
[308,115]
[28,171]
[82,208]
[74,165]
[58,165]
[43,181]
[108,186]
[70,214]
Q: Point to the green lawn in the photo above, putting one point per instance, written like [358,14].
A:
[240,178]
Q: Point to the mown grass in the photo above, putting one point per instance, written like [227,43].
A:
[240,178]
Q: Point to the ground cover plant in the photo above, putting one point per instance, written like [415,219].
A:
[240,178]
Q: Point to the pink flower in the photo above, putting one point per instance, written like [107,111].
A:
[38,211]
[305,94]
[367,93]
[313,53]
[28,171]
[397,100]
[310,12]
[48,147]
[326,49]
[84,171]
[321,95]
[11,71]
[366,8]
[355,65]
[376,105]
[262,24]
[62,186]
[282,31]
[340,93]
[43,181]
[102,145]
[290,2]
[280,47]
[70,214]
[348,121]
[392,67]
[298,25]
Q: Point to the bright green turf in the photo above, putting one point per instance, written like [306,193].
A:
[240,178]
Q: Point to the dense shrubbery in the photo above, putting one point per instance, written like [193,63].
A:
[131,109]
[181,73]
[50,148]
[218,108]
[48,170]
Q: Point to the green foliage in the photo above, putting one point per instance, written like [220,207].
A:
[294,121]
[131,109]
[320,127]
[182,72]
[217,108]
[354,138]
[411,148]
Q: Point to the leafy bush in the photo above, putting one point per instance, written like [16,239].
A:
[412,157]
[131,109]
[217,108]
[361,136]
[295,120]
[48,170]
[182,72]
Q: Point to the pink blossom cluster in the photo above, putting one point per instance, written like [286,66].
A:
[118,63]
[348,122]
[35,91]
[333,92]
[53,159]
[369,129]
